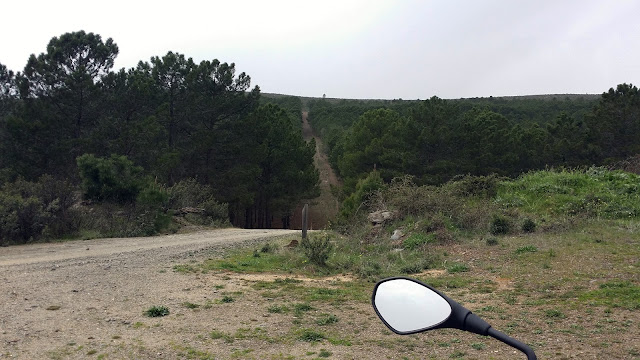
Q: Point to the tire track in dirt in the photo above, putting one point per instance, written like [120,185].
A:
[52,252]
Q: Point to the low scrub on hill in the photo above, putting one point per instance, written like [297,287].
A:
[428,219]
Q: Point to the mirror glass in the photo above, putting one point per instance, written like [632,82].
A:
[407,306]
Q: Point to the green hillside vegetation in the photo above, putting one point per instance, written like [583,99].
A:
[466,211]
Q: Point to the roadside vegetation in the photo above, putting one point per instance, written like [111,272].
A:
[550,255]
[488,211]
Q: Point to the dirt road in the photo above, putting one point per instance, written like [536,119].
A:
[81,298]
[325,207]
[52,252]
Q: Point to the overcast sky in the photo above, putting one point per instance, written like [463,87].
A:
[360,49]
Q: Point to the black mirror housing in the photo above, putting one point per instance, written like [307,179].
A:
[453,316]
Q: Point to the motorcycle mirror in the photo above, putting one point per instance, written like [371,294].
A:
[408,306]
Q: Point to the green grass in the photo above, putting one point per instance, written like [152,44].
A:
[326,319]
[216,334]
[310,335]
[615,294]
[244,261]
[184,268]
[457,267]
[301,308]
[448,282]
[595,192]
[417,240]
[189,305]
[554,313]
[526,249]
[324,353]
[278,309]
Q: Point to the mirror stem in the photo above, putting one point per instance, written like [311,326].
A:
[512,342]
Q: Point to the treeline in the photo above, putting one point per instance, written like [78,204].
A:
[171,118]
[435,140]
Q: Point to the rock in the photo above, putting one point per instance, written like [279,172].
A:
[381,216]
[397,234]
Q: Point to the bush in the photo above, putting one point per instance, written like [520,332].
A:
[115,179]
[528,225]
[500,225]
[114,220]
[444,206]
[269,248]
[365,189]
[151,209]
[190,193]
[492,241]
[317,248]
[481,186]
[157,311]
[31,211]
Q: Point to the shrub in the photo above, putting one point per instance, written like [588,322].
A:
[365,188]
[157,311]
[492,241]
[115,220]
[30,211]
[269,248]
[191,193]
[227,299]
[481,186]
[528,225]
[411,268]
[151,211]
[369,269]
[317,248]
[444,236]
[21,219]
[444,207]
[500,225]
[115,179]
